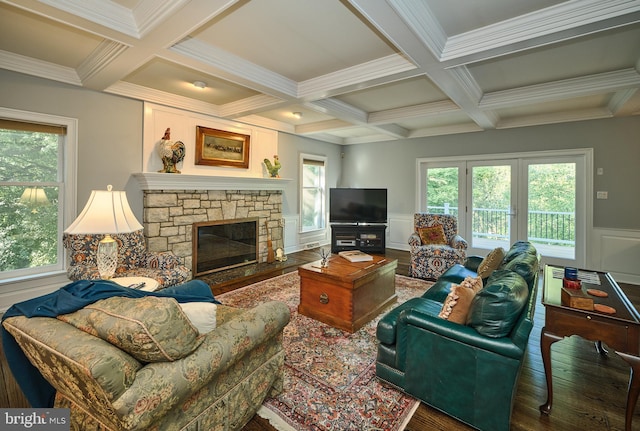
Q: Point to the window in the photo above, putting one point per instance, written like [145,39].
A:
[313,193]
[35,153]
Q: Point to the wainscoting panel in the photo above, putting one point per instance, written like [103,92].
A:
[617,252]
[398,231]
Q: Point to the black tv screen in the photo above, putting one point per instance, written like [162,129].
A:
[357,205]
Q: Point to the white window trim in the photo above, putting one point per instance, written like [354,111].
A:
[21,288]
[324,160]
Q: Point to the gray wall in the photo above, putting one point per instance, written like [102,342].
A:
[110,150]
[109,131]
[615,142]
[289,148]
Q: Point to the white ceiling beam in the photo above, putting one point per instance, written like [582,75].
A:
[403,35]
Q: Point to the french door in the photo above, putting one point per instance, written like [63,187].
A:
[542,197]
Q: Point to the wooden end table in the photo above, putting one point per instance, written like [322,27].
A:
[346,295]
[620,331]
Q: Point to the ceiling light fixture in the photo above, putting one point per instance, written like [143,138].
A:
[200,84]
[297,115]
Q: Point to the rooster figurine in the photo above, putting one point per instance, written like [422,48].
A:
[273,168]
[171,153]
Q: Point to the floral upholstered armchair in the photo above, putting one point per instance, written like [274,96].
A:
[435,245]
[134,260]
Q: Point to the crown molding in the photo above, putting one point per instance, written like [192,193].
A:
[620,98]
[424,110]
[104,53]
[555,118]
[251,74]
[340,109]
[359,75]
[106,13]
[322,126]
[149,14]
[250,105]
[554,19]
[563,89]
[147,94]
[39,68]
[424,24]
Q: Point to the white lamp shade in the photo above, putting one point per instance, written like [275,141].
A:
[106,212]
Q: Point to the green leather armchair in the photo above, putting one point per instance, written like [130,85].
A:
[468,371]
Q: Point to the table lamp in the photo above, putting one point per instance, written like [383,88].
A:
[107,212]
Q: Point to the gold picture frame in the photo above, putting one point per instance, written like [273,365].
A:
[222,148]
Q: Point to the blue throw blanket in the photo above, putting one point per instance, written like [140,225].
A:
[68,299]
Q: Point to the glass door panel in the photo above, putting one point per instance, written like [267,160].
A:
[492,219]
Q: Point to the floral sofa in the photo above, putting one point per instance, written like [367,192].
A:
[435,245]
[460,346]
[134,260]
[141,363]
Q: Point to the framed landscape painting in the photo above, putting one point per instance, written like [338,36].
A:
[221,148]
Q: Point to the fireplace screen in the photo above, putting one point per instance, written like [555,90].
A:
[224,244]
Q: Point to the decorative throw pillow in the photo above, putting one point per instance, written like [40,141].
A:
[201,314]
[151,329]
[432,235]
[491,262]
[473,283]
[456,306]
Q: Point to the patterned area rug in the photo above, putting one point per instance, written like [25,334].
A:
[330,381]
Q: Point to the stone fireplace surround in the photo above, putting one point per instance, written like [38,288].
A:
[171,210]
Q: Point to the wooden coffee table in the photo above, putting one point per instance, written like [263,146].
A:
[347,295]
[620,331]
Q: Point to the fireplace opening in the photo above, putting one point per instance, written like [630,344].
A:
[224,244]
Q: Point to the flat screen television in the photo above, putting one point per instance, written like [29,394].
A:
[357,205]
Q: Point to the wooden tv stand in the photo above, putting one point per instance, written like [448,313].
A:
[369,238]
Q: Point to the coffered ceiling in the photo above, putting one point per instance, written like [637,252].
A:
[357,70]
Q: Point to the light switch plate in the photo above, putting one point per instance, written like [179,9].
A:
[602,195]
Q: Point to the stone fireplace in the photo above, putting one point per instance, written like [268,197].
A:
[171,212]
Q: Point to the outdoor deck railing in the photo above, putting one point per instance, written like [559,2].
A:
[545,227]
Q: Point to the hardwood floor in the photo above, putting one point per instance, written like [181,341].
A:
[590,390]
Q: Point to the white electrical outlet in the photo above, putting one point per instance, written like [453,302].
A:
[602,195]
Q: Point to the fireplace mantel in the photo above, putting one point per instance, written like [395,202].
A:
[163,181]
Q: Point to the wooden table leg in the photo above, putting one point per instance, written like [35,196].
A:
[546,340]
[634,388]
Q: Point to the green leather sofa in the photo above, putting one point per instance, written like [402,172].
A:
[467,371]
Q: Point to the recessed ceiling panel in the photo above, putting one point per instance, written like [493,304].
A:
[600,52]
[414,91]
[43,39]
[299,39]
[173,78]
